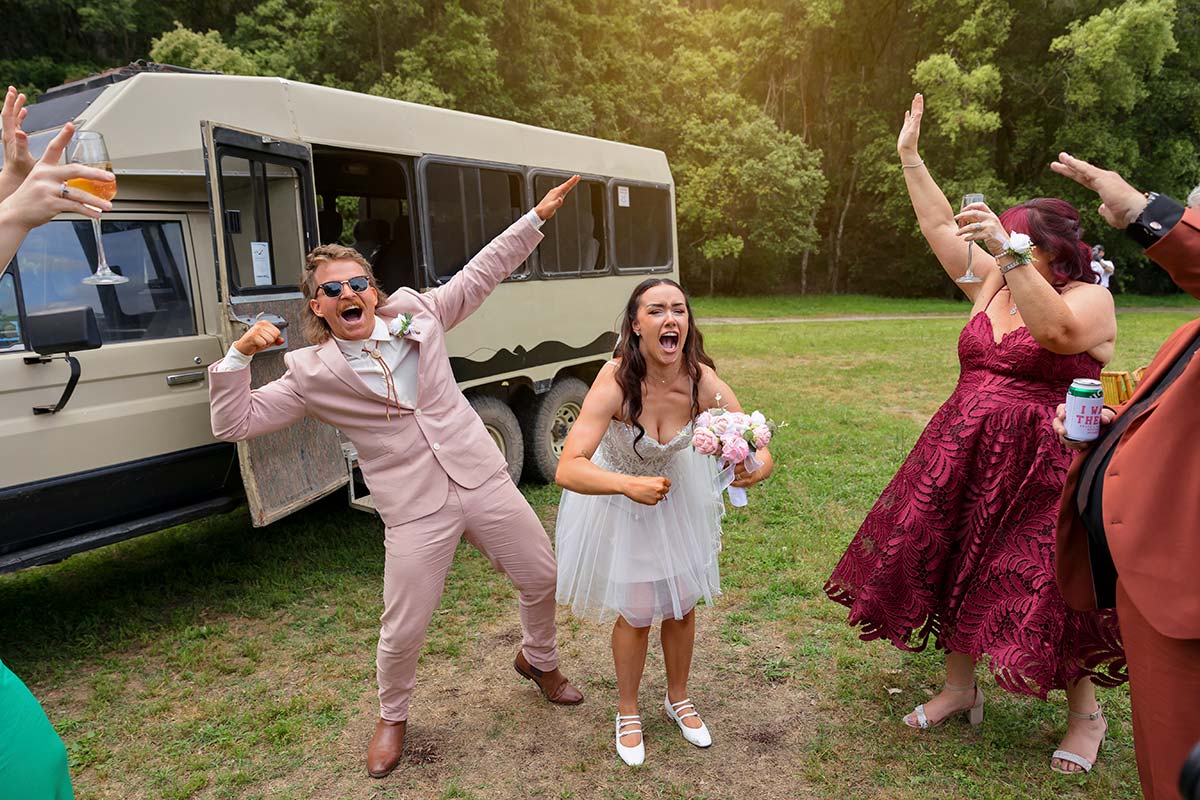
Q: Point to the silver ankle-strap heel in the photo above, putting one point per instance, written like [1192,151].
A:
[974,713]
[1075,758]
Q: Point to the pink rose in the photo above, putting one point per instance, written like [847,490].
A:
[705,420]
[762,436]
[720,425]
[705,442]
[738,423]
[736,450]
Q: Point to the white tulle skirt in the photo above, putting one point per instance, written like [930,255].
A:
[645,563]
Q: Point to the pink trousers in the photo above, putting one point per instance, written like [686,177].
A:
[499,522]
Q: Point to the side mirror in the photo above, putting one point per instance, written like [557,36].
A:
[63,330]
[57,333]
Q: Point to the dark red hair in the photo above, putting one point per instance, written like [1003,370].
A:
[1053,225]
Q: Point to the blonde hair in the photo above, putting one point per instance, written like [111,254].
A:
[315,329]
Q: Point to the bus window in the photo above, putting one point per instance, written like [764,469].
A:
[155,303]
[263,223]
[10,316]
[468,207]
[574,237]
[641,227]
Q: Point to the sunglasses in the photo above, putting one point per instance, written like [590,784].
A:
[359,284]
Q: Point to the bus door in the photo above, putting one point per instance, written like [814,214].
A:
[264,220]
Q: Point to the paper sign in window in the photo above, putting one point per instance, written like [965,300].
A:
[260,257]
[623,196]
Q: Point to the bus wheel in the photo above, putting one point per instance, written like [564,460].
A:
[546,423]
[501,424]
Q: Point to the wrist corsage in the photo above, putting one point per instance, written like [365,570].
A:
[1018,250]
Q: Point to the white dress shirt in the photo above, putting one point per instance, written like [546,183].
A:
[399,353]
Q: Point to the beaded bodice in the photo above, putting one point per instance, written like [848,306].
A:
[617,453]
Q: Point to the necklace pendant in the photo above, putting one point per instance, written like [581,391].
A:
[1012,311]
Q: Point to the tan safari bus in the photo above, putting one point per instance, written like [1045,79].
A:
[223,184]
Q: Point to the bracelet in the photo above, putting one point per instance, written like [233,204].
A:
[912,166]
[1010,266]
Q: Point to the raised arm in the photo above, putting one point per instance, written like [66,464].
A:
[934,212]
[1081,320]
[43,194]
[575,468]
[467,290]
[239,412]
[18,162]
[715,393]
[1171,233]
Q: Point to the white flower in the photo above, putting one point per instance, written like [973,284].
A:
[1019,242]
[757,419]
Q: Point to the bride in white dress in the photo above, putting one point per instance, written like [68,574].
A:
[639,525]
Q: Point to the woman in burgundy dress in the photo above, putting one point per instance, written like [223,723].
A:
[960,545]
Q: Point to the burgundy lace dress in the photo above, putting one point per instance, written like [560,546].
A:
[960,545]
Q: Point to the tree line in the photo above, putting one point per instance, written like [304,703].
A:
[779,117]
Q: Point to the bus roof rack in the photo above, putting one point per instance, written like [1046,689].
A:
[61,104]
[115,75]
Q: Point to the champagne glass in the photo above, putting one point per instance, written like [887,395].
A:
[969,276]
[87,147]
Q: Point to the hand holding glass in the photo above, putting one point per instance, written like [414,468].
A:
[87,147]
[969,276]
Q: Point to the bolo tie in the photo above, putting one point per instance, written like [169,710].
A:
[392,394]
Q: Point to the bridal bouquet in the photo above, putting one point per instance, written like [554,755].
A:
[733,438]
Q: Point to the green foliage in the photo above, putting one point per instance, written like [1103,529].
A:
[200,51]
[779,117]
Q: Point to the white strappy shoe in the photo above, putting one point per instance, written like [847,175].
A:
[682,710]
[974,713]
[1074,758]
[628,724]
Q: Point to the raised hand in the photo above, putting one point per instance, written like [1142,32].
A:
[980,224]
[910,132]
[44,192]
[258,337]
[554,198]
[1120,203]
[647,491]
[18,162]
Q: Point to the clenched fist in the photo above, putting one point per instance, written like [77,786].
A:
[258,337]
[647,491]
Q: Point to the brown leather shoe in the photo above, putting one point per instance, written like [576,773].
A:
[383,754]
[554,685]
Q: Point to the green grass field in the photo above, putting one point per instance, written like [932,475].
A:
[835,305]
[215,660]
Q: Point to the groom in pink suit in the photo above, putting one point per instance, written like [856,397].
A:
[383,378]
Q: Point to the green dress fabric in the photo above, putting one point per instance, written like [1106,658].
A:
[33,760]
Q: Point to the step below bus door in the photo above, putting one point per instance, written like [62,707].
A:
[264,209]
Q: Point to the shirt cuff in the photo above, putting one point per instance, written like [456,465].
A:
[234,360]
[1155,221]
[534,220]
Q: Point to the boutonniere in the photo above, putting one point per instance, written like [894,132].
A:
[403,326]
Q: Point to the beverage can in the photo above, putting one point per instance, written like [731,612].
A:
[1085,400]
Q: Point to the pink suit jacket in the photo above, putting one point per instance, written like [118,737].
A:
[407,461]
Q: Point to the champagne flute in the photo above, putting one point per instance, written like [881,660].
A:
[969,276]
[87,147]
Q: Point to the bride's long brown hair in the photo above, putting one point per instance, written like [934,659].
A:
[631,370]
